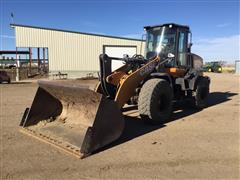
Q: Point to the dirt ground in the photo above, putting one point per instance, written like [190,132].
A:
[193,145]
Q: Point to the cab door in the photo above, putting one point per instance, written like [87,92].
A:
[182,50]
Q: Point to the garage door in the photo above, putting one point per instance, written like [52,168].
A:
[118,51]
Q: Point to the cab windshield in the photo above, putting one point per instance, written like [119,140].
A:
[160,40]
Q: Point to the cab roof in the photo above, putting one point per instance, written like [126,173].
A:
[167,24]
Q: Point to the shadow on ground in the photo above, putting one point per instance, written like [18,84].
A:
[135,126]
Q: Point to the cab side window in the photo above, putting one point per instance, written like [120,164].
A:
[182,48]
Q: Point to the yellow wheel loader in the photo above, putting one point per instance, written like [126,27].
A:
[79,120]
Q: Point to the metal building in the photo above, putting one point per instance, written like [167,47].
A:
[75,53]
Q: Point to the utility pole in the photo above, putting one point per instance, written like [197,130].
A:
[17,66]
[30,61]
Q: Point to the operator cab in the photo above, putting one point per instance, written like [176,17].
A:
[167,39]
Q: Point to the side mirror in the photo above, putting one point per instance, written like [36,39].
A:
[189,45]
[125,56]
[144,37]
[170,55]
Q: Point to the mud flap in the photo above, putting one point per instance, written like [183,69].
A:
[73,118]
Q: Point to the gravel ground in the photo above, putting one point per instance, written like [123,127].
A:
[193,145]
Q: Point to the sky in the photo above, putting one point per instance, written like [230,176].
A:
[214,23]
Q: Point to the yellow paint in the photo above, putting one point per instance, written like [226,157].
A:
[130,82]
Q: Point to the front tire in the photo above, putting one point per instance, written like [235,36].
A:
[201,93]
[155,101]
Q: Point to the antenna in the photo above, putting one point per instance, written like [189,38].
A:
[12,16]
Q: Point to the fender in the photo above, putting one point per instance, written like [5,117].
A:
[190,84]
[193,82]
[165,76]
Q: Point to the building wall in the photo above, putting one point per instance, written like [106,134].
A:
[70,52]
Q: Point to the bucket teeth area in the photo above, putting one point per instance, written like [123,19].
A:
[67,147]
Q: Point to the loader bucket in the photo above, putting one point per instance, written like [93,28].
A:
[73,118]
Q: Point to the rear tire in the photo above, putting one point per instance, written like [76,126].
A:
[155,101]
[201,93]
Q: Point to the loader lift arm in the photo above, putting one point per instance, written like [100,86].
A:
[121,84]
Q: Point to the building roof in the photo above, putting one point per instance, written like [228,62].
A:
[13,52]
[77,32]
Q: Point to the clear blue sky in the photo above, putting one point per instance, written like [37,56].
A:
[214,24]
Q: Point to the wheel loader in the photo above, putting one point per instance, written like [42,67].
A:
[81,121]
